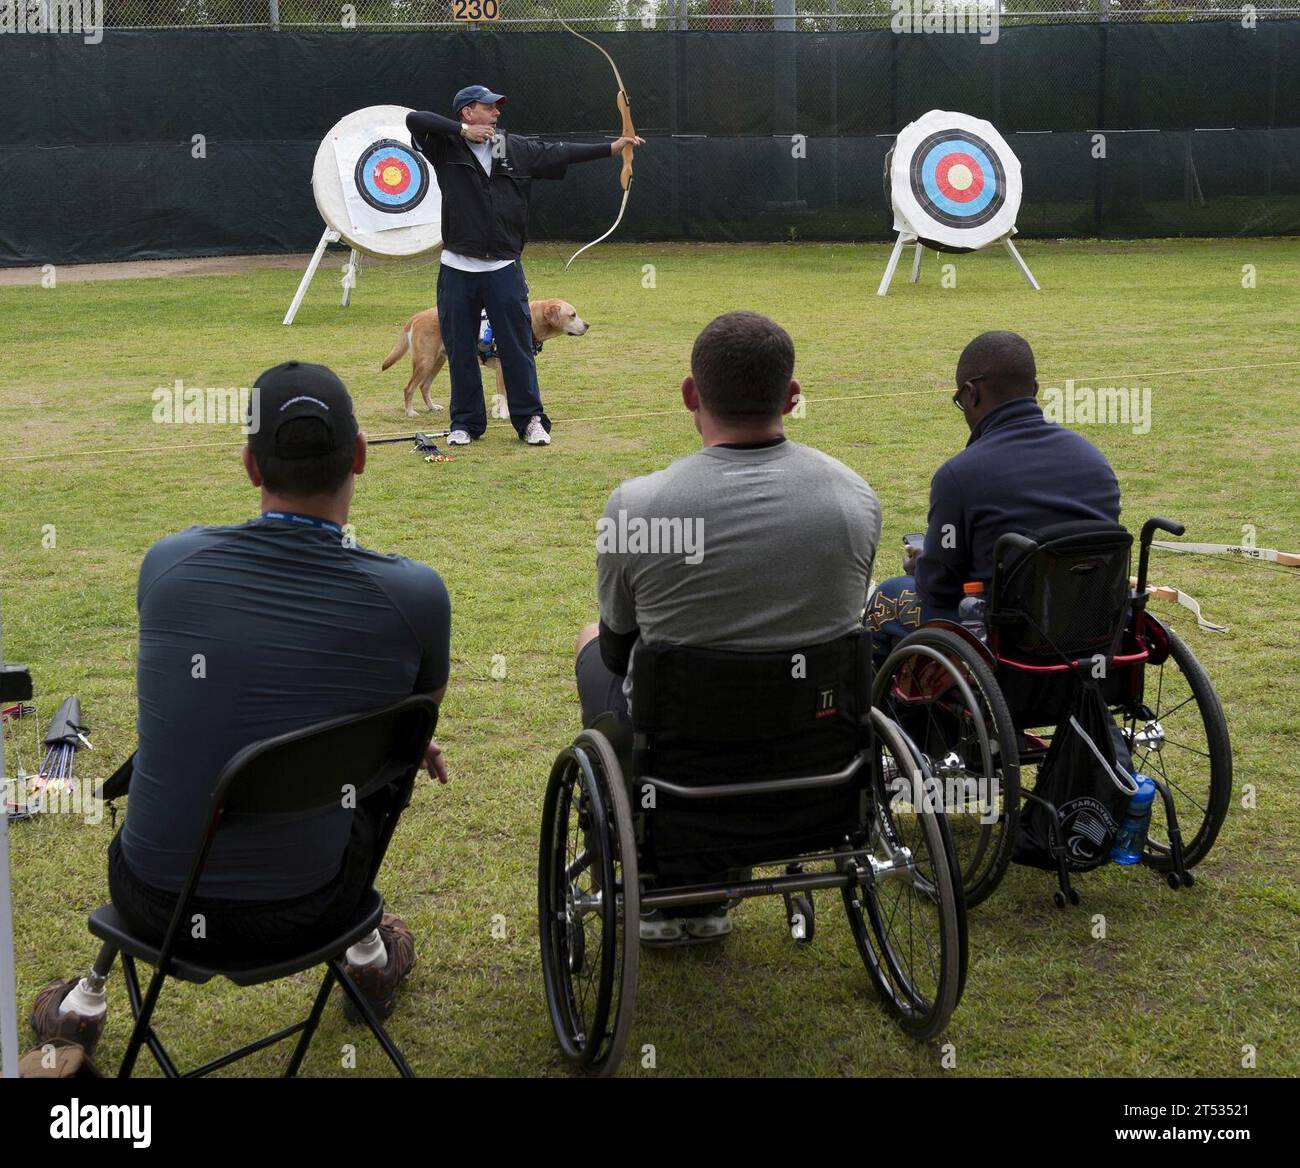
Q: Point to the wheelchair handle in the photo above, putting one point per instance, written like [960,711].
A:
[1149,529]
[720,790]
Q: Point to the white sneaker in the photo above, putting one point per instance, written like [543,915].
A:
[458,438]
[535,434]
[656,929]
[709,926]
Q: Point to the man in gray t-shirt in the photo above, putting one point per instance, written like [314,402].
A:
[752,543]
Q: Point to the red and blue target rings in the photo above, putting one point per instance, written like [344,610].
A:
[391,177]
[958,179]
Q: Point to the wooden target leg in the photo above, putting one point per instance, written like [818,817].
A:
[892,266]
[916,262]
[349,277]
[330,236]
[1024,270]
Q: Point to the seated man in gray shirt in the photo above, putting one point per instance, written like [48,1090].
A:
[251,631]
[775,548]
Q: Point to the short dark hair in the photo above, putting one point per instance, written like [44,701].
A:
[1003,360]
[742,364]
[322,474]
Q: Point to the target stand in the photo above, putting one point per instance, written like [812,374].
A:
[954,186]
[375,193]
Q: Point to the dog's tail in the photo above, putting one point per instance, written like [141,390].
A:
[403,343]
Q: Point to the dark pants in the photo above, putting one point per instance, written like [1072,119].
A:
[504,293]
[235,929]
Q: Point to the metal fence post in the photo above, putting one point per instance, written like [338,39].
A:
[275,15]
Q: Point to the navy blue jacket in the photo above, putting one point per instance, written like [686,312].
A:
[487,217]
[1019,472]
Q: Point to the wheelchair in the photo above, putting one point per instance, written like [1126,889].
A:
[732,762]
[1061,603]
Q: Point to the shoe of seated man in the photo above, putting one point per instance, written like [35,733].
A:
[710,926]
[459,438]
[535,433]
[378,983]
[51,1023]
[657,929]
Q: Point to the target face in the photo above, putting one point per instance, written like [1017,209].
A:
[954,180]
[374,188]
[391,177]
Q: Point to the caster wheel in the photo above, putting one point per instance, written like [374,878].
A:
[1173,880]
[1058,898]
[1188,880]
[803,920]
[1074,896]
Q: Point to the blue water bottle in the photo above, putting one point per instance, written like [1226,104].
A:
[486,345]
[1131,838]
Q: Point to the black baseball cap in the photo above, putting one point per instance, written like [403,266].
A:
[472,93]
[300,410]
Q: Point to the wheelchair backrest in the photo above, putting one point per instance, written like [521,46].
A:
[1063,597]
[710,714]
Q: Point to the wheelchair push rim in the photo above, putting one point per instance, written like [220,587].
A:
[1180,736]
[907,914]
[948,705]
[588,905]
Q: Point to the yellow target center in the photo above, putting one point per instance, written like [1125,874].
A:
[392,176]
[960,177]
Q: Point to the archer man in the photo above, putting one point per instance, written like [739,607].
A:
[486,181]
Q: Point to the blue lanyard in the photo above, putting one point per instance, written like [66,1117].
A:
[305,520]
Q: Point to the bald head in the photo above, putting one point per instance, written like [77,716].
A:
[1004,364]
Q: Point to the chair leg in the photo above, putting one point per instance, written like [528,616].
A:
[376,1027]
[143,1013]
[318,1008]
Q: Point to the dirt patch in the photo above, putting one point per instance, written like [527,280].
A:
[155,269]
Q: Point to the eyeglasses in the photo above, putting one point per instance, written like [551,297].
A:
[965,385]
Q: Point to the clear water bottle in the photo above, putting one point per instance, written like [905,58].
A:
[1131,838]
[973,609]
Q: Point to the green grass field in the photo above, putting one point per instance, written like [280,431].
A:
[1180,983]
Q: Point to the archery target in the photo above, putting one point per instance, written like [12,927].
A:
[374,188]
[954,180]
[390,177]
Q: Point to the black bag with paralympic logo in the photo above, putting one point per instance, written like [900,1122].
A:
[1079,778]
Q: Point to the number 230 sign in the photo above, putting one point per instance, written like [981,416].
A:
[470,10]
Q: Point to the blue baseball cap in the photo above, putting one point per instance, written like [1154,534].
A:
[472,93]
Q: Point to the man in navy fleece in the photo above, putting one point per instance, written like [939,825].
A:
[1019,472]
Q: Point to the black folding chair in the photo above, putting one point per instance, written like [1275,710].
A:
[352,758]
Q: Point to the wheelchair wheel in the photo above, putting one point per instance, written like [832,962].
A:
[588,903]
[1184,743]
[907,913]
[944,697]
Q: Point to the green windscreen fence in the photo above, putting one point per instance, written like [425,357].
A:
[1121,130]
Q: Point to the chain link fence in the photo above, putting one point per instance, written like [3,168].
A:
[636,15]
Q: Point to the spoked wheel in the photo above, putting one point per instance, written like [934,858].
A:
[1181,737]
[907,913]
[943,695]
[588,904]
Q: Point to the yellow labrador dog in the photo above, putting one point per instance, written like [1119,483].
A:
[423,336]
